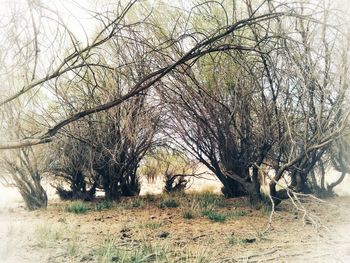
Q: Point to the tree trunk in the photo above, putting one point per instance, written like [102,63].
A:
[232,188]
[302,186]
[35,199]
[254,191]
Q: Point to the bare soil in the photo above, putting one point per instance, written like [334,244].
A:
[55,235]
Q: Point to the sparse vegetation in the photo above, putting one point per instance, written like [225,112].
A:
[109,252]
[233,240]
[137,203]
[138,235]
[168,203]
[103,205]
[237,214]
[132,202]
[48,234]
[152,225]
[77,207]
[73,245]
[188,214]
[252,94]
[149,197]
[207,200]
[266,209]
[214,216]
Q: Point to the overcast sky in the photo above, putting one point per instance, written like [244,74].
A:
[75,13]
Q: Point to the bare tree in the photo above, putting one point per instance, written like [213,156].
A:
[251,87]
[318,114]
[23,168]
[26,176]
[69,162]
[270,103]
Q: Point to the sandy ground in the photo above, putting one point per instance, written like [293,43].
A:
[54,235]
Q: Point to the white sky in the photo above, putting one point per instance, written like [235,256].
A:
[75,13]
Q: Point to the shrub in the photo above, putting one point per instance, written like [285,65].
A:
[174,183]
[26,175]
[77,207]
[68,161]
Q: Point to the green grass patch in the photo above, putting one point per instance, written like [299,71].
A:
[237,214]
[77,207]
[168,203]
[134,202]
[233,240]
[103,205]
[222,217]
[137,203]
[150,197]
[209,200]
[188,214]
[152,225]
[266,209]
[214,216]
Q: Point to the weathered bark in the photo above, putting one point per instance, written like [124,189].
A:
[314,186]
[301,186]
[255,194]
[232,188]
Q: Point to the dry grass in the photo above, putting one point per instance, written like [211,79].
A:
[202,227]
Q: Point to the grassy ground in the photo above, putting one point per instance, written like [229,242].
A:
[183,228]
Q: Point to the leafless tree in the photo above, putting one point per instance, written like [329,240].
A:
[252,87]
[23,168]
[215,41]
[277,101]
[69,163]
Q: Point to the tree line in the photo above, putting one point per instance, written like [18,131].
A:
[253,90]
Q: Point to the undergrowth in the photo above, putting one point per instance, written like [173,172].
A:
[77,207]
